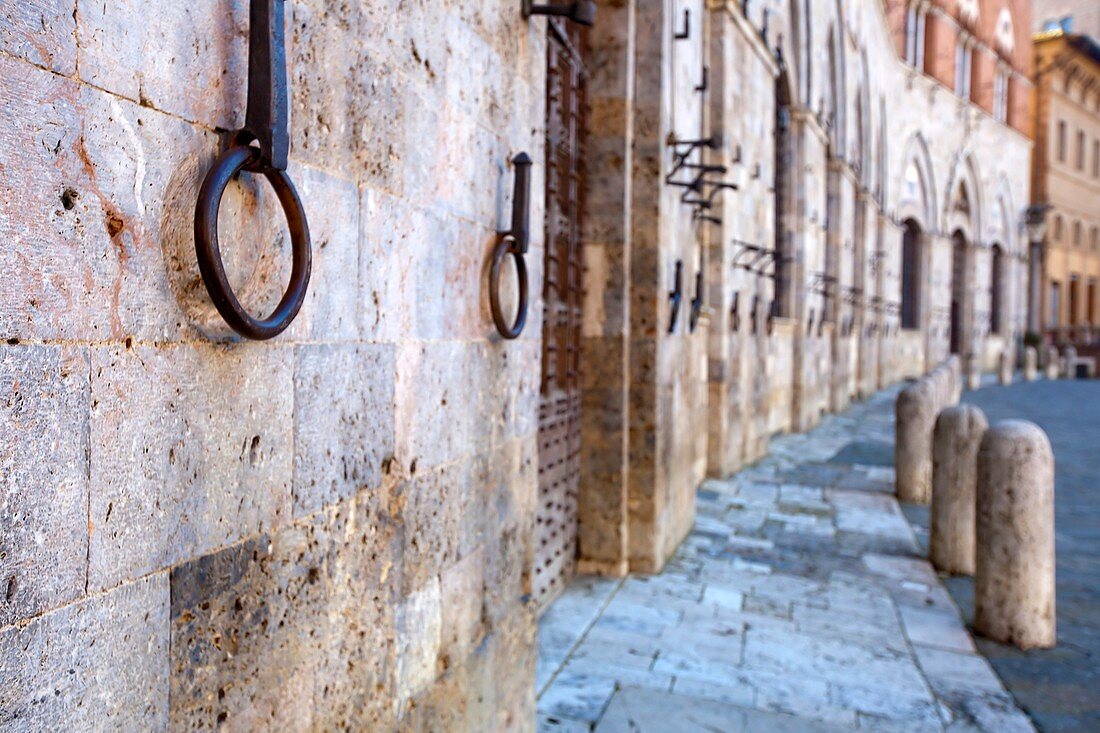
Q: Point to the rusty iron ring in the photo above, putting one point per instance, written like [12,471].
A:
[229,165]
[505,246]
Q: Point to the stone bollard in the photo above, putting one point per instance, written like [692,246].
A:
[1005,367]
[1031,364]
[954,368]
[1070,362]
[938,387]
[973,372]
[955,441]
[1014,572]
[916,413]
[1053,362]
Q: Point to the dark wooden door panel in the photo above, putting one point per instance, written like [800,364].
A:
[560,404]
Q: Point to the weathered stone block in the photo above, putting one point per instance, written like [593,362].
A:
[189,60]
[304,615]
[42,32]
[331,309]
[356,674]
[44,407]
[462,589]
[191,449]
[419,636]
[343,419]
[58,274]
[448,392]
[101,664]
[442,512]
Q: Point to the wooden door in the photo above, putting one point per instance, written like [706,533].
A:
[560,404]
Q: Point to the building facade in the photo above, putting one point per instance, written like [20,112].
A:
[743,215]
[1066,181]
[1071,16]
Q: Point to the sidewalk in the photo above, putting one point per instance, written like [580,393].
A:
[798,603]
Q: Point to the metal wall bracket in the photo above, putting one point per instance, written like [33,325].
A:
[683,35]
[704,85]
[515,243]
[696,302]
[581,12]
[676,297]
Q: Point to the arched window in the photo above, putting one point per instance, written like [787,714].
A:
[1057,228]
[915,24]
[784,164]
[996,294]
[1076,234]
[910,274]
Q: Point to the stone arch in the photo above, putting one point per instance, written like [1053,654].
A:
[1003,220]
[962,205]
[917,186]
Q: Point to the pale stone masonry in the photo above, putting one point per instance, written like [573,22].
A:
[328,531]
[196,529]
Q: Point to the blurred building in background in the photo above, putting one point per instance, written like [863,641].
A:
[1066,181]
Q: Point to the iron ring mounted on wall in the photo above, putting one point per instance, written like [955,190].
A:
[507,246]
[231,163]
[515,243]
[261,147]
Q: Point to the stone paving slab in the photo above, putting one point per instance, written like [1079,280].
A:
[799,602]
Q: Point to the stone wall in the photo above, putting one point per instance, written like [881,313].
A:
[877,143]
[328,531]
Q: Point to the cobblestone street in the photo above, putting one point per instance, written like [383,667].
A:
[800,602]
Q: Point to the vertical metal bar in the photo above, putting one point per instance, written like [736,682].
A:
[521,206]
[267,116]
